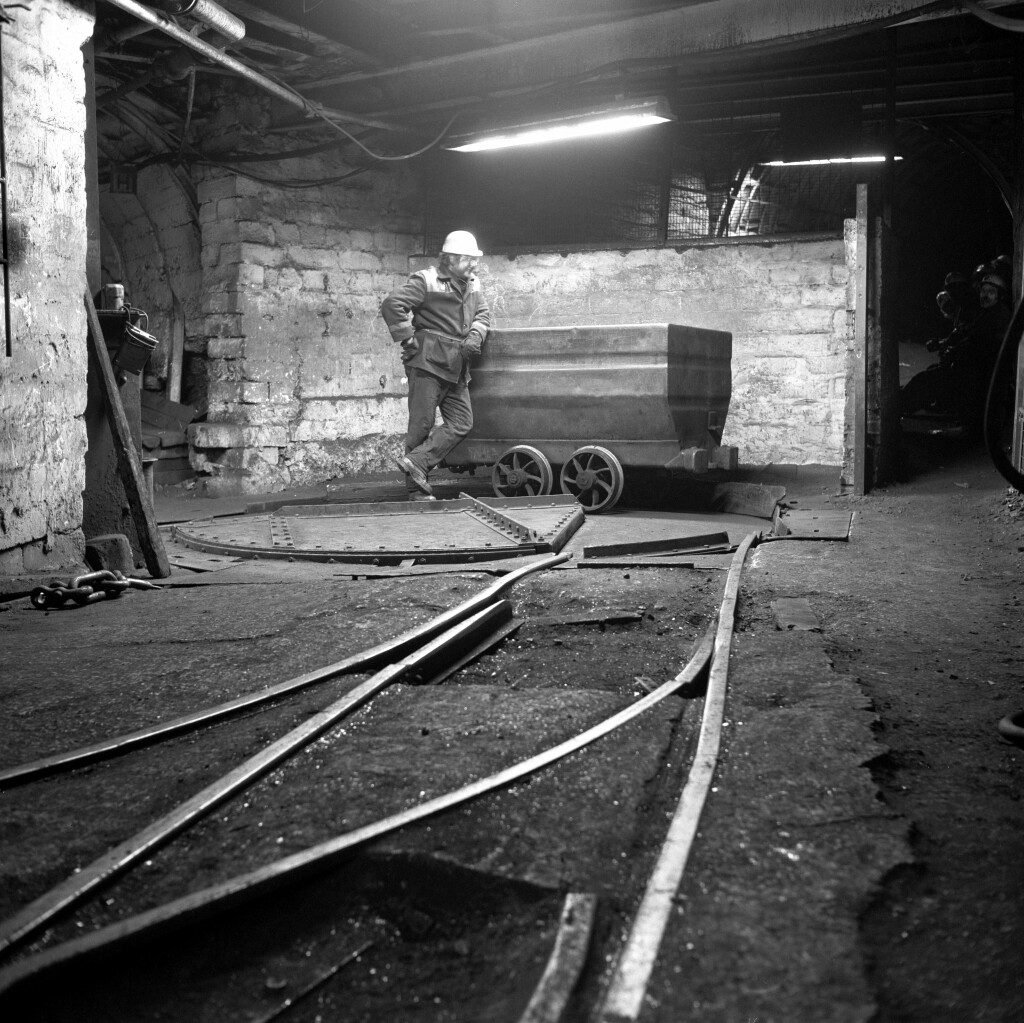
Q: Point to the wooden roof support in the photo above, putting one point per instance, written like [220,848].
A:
[128,461]
[699,31]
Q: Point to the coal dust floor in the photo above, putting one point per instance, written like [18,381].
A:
[452,918]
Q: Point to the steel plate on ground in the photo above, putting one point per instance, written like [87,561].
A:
[466,529]
[817,525]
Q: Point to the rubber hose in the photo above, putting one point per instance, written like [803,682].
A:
[993,440]
[1012,728]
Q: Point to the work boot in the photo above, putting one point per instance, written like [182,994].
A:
[414,472]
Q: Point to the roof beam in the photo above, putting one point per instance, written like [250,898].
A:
[695,31]
[322,45]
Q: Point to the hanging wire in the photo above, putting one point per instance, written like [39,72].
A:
[999,20]
[198,157]
[404,156]
[282,182]
[317,112]
[993,424]
[188,112]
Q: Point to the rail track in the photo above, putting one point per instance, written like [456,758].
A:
[43,943]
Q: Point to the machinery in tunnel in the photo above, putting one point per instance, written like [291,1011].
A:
[594,401]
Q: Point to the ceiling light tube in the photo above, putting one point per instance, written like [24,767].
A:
[609,120]
[827,160]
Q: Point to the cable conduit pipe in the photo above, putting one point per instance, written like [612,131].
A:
[289,96]
[1011,728]
[998,20]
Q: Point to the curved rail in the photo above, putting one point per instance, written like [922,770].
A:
[551,995]
[382,653]
[37,914]
[317,858]
[1011,728]
[624,996]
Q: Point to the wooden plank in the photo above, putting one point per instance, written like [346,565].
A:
[165,414]
[664,546]
[195,565]
[860,340]
[128,461]
[817,525]
[176,356]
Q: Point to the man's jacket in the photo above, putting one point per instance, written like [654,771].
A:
[432,316]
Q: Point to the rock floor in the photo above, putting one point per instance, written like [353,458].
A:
[859,857]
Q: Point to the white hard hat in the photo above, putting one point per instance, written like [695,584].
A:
[461,243]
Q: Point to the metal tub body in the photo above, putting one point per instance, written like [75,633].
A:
[655,395]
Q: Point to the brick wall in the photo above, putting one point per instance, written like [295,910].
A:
[304,386]
[786,304]
[43,386]
[152,246]
[303,383]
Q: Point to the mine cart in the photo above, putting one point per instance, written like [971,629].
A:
[588,402]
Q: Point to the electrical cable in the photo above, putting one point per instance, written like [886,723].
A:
[188,111]
[283,182]
[285,154]
[992,423]
[198,157]
[222,159]
[369,152]
[1011,728]
[998,20]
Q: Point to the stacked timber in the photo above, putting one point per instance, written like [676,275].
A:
[164,426]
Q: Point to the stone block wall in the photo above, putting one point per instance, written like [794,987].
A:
[304,384]
[43,385]
[787,305]
[151,244]
[305,387]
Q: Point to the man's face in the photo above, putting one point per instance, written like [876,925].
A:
[460,266]
[988,296]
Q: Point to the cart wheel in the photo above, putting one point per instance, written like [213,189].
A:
[593,475]
[522,471]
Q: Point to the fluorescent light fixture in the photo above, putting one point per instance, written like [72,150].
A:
[610,120]
[827,160]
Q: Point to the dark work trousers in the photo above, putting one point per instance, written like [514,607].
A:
[426,443]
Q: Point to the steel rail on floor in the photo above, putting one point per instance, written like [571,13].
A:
[624,995]
[18,929]
[298,866]
[366,660]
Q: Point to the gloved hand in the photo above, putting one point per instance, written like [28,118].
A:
[410,346]
[473,343]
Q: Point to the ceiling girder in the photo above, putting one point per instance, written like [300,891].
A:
[321,45]
[702,30]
